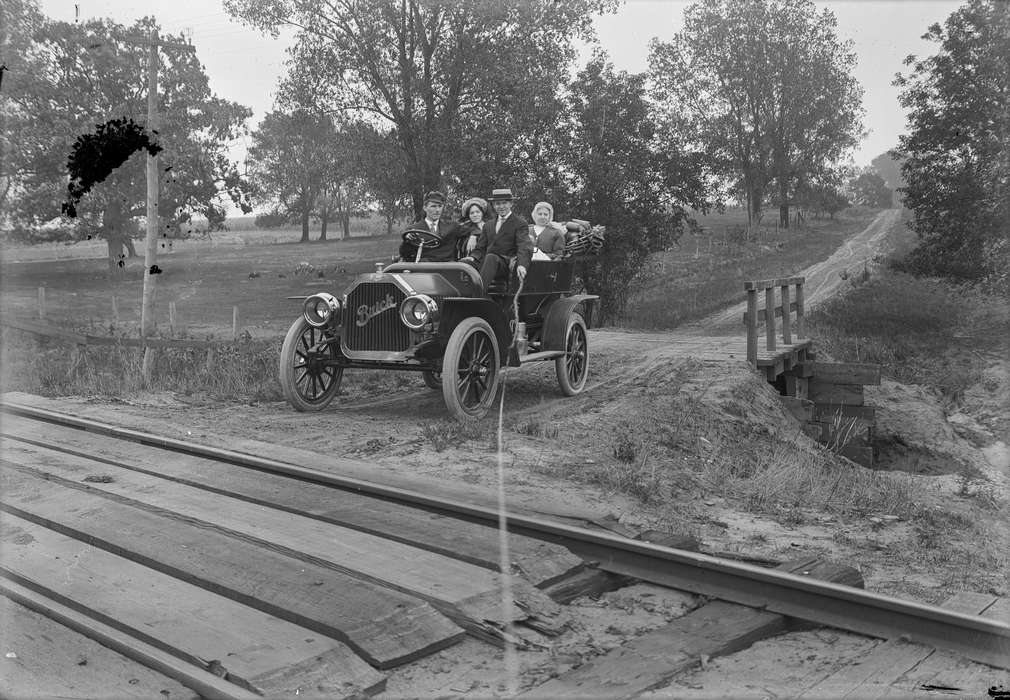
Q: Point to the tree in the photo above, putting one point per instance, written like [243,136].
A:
[870,190]
[71,78]
[957,162]
[890,169]
[291,160]
[431,70]
[616,176]
[767,88]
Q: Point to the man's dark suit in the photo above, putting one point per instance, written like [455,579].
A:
[443,252]
[494,248]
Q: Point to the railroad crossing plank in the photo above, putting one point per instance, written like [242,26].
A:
[653,659]
[254,649]
[41,666]
[541,563]
[384,627]
[897,666]
[469,595]
[715,629]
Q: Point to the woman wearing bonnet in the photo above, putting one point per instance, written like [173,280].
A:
[548,239]
[473,213]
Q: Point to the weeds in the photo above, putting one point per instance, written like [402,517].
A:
[449,433]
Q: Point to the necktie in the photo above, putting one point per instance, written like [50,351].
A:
[431,227]
[497,227]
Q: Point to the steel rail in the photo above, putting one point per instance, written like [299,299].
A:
[978,638]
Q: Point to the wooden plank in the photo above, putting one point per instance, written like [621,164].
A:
[43,329]
[539,562]
[765,284]
[762,314]
[469,595]
[801,409]
[847,372]
[384,627]
[651,660]
[47,660]
[887,663]
[828,393]
[247,647]
[715,629]
[829,411]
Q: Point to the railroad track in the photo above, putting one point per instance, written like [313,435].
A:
[170,552]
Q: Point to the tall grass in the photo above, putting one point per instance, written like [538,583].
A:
[705,273]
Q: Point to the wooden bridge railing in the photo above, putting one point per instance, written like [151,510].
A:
[754,316]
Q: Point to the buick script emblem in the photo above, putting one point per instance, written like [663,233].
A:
[366,312]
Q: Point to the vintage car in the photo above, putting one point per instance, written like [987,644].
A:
[434,318]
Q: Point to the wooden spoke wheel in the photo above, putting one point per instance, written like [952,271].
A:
[309,374]
[572,368]
[471,370]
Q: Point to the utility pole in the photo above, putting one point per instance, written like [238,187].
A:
[153,190]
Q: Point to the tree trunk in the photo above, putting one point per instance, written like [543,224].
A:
[305,226]
[324,217]
[345,220]
[783,203]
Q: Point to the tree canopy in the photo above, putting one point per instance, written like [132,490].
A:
[466,86]
[766,87]
[70,78]
[956,155]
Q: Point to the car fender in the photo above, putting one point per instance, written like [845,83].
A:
[556,321]
[456,309]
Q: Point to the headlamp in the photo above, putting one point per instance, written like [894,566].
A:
[320,309]
[418,310]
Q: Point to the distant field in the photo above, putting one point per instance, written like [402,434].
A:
[255,270]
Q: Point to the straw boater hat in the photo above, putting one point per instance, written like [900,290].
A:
[503,194]
[479,201]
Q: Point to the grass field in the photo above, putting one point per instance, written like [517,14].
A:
[256,270]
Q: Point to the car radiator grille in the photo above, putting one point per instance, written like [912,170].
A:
[372,326]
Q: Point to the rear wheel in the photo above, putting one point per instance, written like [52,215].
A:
[308,377]
[572,368]
[470,370]
[432,380]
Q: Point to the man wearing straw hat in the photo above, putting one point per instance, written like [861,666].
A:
[503,237]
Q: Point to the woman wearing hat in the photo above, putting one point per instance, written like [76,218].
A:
[548,240]
[473,213]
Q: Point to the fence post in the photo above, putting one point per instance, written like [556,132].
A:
[115,311]
[787,336]
[42,303]
[770,317]
[234,323]
[171,319]
[752,337]
[799,309]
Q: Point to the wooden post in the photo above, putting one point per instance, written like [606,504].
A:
[42,303]
[752,337]
[787,336]
[799,310]
[171,319]
[153,191]
[115,311]
[234,323]
[770,317]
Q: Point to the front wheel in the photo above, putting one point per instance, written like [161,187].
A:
[572,368]
[432,380]
[470,370]
[308,377]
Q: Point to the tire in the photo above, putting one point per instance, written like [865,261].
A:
[471,370]
[308,385]
[432,380]
[572,368]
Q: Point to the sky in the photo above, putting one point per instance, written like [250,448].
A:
[245,66]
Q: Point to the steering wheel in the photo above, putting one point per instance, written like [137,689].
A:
[421,237]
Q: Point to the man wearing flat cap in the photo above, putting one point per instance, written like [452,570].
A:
[503,237]
[445,250]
